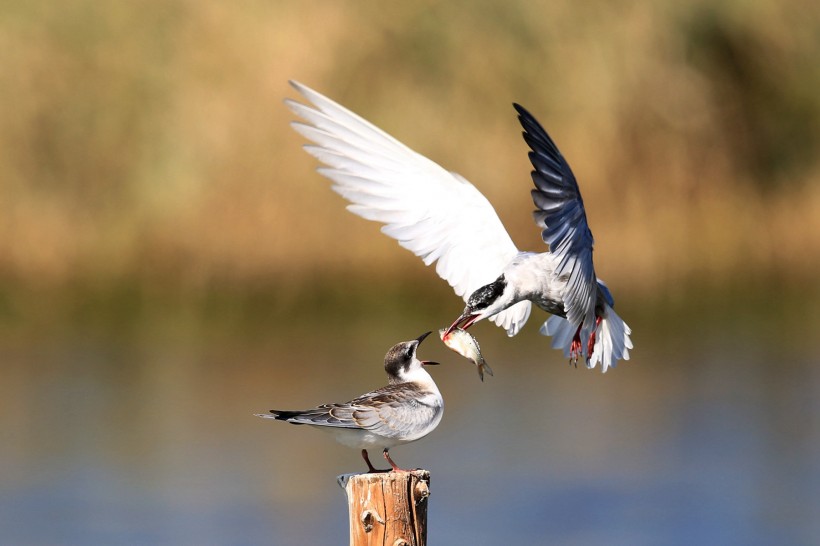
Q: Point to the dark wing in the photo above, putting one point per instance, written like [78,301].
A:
[561,216]
[326,415]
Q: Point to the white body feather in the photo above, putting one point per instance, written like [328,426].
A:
[442,218]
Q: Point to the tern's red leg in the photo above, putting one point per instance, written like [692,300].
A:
[394,465]
[370,468]
[591,342]
[575,348]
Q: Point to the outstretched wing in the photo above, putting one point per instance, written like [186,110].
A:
[437,215]
[561,216]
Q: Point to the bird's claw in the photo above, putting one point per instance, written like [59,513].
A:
[575,349]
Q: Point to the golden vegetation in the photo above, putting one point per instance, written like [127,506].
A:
[147,141]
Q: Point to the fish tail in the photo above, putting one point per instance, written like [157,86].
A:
[486,367]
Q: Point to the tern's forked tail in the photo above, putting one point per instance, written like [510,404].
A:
[282,415]
[612,341]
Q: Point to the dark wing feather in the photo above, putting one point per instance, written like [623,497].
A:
[327,415]
[561,216]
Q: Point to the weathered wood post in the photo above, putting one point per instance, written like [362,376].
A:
[387,508]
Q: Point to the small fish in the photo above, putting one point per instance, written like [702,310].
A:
[463,342]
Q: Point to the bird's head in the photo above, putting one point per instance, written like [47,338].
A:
[401,363]
[483,303]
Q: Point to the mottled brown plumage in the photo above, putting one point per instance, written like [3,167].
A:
[406,409]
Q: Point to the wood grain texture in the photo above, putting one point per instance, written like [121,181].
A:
[387,508]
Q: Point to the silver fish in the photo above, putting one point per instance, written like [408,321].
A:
[463,342]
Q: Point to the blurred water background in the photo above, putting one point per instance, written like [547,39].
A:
[170,263]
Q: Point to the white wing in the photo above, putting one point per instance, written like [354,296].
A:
[436,214]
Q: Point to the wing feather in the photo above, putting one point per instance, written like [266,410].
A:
[561,216]
[392,411]
[437,215]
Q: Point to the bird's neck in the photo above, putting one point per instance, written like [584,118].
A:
[419,376]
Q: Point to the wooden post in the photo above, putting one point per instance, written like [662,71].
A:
[387,508]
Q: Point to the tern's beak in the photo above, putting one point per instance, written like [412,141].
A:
[425,362]
[464,321]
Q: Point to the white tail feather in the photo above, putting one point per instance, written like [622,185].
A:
[561,331]
[612,341]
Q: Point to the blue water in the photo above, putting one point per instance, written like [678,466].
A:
[707,436]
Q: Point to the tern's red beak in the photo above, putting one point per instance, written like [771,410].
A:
[464,321]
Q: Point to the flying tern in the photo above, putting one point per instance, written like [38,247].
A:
[407,409]
[441,217]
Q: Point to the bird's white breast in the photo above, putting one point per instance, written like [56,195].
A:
[532,277]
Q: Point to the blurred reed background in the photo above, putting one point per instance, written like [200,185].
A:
[146,144]
[159,222]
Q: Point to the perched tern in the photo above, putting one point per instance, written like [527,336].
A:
[407,409]
[443,218]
